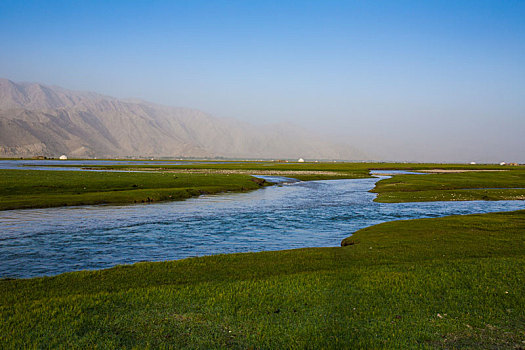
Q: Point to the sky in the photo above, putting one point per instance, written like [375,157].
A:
[400,80]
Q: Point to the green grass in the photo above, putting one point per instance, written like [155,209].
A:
[326,171]
[430,283]
[42,188]
[355,168]
[501,185]
[36,189]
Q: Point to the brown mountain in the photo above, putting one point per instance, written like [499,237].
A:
[37,119]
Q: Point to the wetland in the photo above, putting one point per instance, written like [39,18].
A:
[241,264]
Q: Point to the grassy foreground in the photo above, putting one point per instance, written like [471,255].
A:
[428,283]
[498,185]
[21,189]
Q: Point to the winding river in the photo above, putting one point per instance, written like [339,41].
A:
[38,242]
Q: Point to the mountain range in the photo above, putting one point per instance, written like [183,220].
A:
[41,120]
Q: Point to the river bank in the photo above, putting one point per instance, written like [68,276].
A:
[445,282]
[120,182]
[49,241]
[22,189]
[453,185]
[442,282]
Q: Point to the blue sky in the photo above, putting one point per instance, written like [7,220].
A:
[405,80]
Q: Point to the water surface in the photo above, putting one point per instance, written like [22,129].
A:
[80,165]
[37,242]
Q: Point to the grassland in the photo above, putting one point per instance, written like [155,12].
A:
[159,182]
[430,283]
[497,185]
[349,169]
[21,189]
[42,188]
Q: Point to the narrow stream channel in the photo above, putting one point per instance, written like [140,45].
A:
[38,242]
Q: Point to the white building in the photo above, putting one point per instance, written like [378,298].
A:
[300,160]
[63,157]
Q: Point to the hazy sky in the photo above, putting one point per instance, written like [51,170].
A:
[404,80]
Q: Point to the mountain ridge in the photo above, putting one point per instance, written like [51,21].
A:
[37,119]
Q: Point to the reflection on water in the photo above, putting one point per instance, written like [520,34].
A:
[40,242]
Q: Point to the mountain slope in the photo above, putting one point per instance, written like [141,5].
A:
[41,120]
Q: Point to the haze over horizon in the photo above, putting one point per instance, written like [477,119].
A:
[407,80]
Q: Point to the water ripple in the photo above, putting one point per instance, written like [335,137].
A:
[40,242]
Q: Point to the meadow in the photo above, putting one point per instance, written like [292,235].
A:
[355,169]
[20,189]
[453,282]
[466,186]
[430,283]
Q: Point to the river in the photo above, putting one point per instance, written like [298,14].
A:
[38,242]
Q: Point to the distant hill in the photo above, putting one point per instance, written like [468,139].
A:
[36,119]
